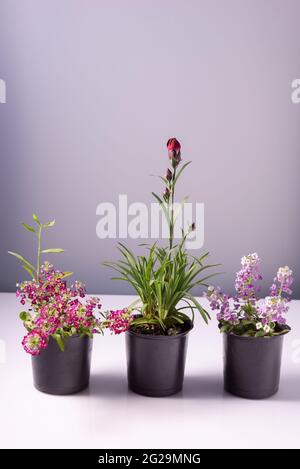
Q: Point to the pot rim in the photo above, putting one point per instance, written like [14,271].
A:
[160,337]
[74,336]
[273,337]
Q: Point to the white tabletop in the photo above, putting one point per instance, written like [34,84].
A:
[107,415]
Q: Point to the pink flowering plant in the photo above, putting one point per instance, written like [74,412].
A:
[165,276]
[118,321]
[245,314]
[53,308]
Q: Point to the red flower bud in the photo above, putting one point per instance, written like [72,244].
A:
[174,151]
[175,159]
[166,195]
[169,175]
[173,144]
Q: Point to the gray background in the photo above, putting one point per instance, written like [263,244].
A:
[94,89]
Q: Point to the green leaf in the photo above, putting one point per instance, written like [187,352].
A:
[28,227]
[225,328]
[28,270]
[21,258]
[160,177]
[67,274]
[52,250]
[181,170]
[134,304]
[24,315]
[35,218]
[159,200]
[179,207]
[201,310]
[144,321]
[49,224]
[164,179]
[163,206]
[284,331]
[60,342]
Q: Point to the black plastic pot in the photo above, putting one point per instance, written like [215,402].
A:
[155,363]
[57,372]
[252,365]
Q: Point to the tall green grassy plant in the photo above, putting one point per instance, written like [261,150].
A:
[164,277]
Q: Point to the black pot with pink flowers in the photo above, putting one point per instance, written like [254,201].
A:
[156,324]
[59,322]
[253,330]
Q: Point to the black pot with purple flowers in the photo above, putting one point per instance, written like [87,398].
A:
[156,324]
[59,323]
[253,330]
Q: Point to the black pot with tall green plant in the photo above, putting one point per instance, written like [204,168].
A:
[163,278]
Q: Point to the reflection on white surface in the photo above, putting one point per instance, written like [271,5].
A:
[2,91]
[2,352]
[296,351]
[107,415]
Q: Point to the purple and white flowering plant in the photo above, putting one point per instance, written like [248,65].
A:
[245,314]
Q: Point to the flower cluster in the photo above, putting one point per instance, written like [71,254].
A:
[282,282]
[55,309]
[245,279]
[119,321]
[276,305]
[34,342]
[244,314]
[221,302]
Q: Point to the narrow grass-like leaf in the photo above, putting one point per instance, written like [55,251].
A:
[21,258]
[181,171]
[49,224]
[67,274]
[28,228]
[52,250]
[28,270]
[60,342]
[35,218]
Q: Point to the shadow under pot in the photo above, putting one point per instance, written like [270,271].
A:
[155,363]
[252,365]
[68,372]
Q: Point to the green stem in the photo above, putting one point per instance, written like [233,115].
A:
[172,210]
[39,252]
